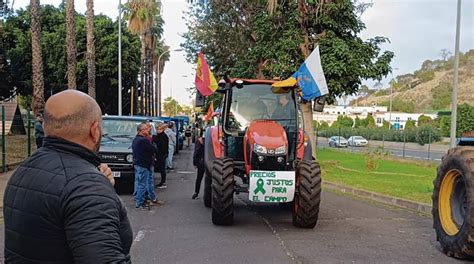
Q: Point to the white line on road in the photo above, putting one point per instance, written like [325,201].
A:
[185,172]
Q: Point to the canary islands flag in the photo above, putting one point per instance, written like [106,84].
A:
[205,81]
[310,78]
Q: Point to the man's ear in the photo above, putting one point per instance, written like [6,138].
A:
[95,131]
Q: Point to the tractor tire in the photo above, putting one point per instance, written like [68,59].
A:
[207,190]
[453,203]
[308,194]
[222,191]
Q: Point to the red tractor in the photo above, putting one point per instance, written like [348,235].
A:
[258,146]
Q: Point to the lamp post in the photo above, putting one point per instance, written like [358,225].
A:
[158,86]
[120,58]
[454,96]
[391,98]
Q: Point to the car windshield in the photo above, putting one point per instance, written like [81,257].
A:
[119,128]
[339,138]
[258,101]
[359,137]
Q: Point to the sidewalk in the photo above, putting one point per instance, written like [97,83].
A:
[4,177]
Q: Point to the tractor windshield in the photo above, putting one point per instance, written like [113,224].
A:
[258,101]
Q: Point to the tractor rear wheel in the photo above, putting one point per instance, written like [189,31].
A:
[453,203]
[308,194]
[222,191]
[207,189]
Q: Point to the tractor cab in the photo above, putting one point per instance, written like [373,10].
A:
[260,126]
[257,146]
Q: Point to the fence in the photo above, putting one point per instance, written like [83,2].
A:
[17,137]
[396,143]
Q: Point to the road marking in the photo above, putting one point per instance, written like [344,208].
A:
[140,236]
[275,233]
[185,172]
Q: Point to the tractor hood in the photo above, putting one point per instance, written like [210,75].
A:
[269,134]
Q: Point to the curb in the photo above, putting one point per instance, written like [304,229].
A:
[385,199]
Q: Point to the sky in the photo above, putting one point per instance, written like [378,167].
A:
[417,29]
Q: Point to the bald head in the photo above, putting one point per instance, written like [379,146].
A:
[74,116]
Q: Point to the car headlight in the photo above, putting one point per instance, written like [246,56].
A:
[129,158]
[259,149]
[280,150]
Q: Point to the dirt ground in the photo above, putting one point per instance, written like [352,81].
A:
[17,147]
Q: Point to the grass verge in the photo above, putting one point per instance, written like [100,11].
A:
[411,180]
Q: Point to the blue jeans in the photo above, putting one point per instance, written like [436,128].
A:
[169,159]
[143,184]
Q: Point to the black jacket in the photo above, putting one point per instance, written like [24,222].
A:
[143,151]
[58,208]
[198,155]
[161,142]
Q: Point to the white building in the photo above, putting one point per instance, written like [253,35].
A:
[380,114]
[399,119]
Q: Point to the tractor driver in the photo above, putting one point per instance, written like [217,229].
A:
[284,109]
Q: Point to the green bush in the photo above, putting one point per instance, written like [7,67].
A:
[419,135]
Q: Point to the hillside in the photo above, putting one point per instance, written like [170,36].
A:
[426,89]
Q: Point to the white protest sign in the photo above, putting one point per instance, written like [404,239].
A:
[272,186]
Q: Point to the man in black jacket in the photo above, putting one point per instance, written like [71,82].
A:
[198,162]
[58,206]
[161,141]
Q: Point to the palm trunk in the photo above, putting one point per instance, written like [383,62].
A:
[142,76]
[150,81]
[71,45]
[37,61]
[90,48]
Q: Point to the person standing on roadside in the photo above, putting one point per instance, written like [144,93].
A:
[161,142]
[171,145]
[60,205]
[39,132]
[188,133]
[143,153]
[198,162]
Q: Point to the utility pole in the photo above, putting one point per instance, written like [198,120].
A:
[454,110]
[120,58]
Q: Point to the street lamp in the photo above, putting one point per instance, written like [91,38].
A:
[454,96]
[120,58]
[391,98]
[158,87]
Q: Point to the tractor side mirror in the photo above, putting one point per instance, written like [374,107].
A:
[319,102]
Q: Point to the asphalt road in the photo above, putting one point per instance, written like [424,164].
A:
[349,230]
[409,153]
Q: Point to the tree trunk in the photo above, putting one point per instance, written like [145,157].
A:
[37,61]
[142,76]
[304,47]
[90,48]
[71,45]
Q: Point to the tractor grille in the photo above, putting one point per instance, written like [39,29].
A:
[269,163]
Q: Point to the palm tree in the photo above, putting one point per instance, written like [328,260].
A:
[143,16]
[90,48]
[70,45]
[37,60]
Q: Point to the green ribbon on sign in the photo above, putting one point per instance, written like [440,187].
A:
[259,187]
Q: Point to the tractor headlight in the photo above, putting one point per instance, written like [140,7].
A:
[129,158]
[259,149]
[280,150]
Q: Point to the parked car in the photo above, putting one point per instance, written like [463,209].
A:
[357,141]
[337,142]
[115,149]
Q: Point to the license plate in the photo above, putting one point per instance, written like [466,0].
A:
[116,174]
[272,186]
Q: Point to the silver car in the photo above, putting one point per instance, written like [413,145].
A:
[357,141]
[337,142]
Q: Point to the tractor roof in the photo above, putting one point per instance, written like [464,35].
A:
[253,81]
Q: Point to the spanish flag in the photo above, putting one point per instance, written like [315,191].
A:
[210,112]
[205,81]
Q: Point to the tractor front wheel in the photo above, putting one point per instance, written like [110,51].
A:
[222,191]
[308,195]
[453,203]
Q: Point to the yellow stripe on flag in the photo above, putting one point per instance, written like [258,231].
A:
[290,82]
[213,83]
